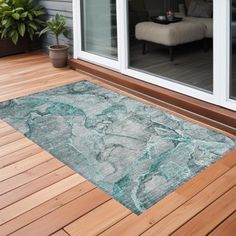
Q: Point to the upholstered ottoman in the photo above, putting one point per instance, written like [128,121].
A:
[170,35]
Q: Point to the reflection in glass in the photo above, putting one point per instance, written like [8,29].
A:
[178,48]
[99,27]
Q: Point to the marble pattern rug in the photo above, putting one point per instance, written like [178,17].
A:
[136,153]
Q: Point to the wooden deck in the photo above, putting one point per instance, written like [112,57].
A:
[40,196]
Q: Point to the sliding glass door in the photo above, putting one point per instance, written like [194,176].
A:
[186,50]
[172,40]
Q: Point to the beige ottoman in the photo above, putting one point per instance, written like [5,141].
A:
[170,35]
[208,22]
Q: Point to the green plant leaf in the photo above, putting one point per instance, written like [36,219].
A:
[16,16]
[20,16]
[21,29]
[45,30]
[4,5]
[24,14]
[4,33]
[7,13]
[9,23]
[31,33]
[30,16]
[19,9]
[4,22]
[33,25]
[39,13]
[15,37]
[66,33]
[57,25]
[40,22]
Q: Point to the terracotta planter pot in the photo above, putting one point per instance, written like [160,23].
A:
[58,55]
[7,47]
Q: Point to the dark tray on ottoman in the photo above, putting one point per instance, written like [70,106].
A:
[166,21]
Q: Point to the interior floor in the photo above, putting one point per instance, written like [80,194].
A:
[192,65]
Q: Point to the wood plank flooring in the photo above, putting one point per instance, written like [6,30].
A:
[192,65]
[40,196]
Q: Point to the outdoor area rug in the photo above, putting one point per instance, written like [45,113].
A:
[136,153]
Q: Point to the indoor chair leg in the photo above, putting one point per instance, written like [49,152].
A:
[205,45]
[144,47]
[171,53]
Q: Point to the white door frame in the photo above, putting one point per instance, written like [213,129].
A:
[222,51]
[221,68]
[77,36]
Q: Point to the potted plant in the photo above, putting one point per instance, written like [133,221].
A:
[58,53]
[20,20]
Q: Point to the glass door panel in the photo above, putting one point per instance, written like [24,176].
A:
[99,27]
[181,52]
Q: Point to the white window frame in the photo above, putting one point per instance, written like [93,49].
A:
[221,48]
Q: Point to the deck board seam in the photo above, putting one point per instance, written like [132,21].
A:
[39,189]
[50,158]
[186,202]
[36,193]
[16,150]
[213,229]
[65,205]
[32,179]
[50,211]
[206,208]
[37,152]
[88,211]
[117,222]
[8,134]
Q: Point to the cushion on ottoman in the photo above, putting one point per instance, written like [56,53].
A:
[172,34]
[200,8]
[208,22]
[187,3]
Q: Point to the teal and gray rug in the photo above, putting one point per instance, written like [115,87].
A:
[136,153]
